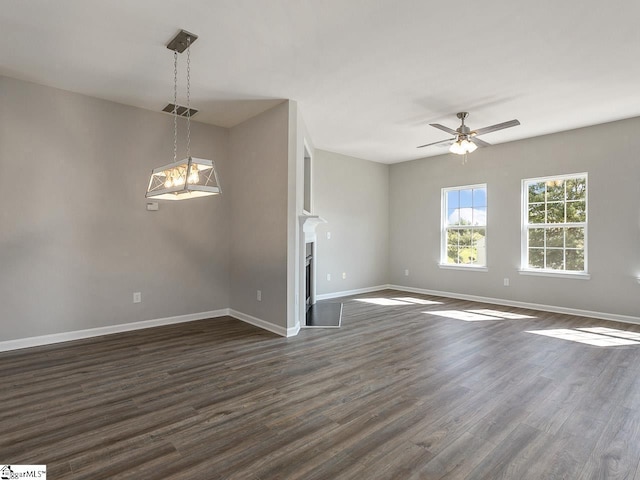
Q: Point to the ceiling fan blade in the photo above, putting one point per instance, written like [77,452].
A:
[493,128]
[436,143]
[480,143]
[443,128]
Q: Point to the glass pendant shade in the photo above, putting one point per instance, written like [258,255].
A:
[470,146]
[188,178]
[462,146]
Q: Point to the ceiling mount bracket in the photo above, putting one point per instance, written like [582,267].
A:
[179,42]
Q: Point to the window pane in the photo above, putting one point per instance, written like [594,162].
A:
[555,190]
[576,188]
[466,255]
[575,238]
[479,216]
[536,192]
[452,199]
[555,259]
[465,249]
[479,197]
[576,211]
[465,237]
[480,246]
[453,216]
[536,213]
[536,258]
[452,246]
[575,260]
[466,198]
[466,215]
[555,237]
[555,212]
[452,254]
[536,237]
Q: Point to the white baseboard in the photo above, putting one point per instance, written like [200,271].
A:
[258,322]
[290,332]
[99,331]
[127,327]
[346,293]
[514,303]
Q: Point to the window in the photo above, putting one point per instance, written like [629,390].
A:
[554,233]
[464,226]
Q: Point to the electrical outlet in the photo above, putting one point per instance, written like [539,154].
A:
[506,281]
[259,295]
[137,297]
[328,235]
[344,275]
[406,272]
[328,277]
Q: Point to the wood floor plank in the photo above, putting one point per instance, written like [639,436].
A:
[617,453]
[398,392]
[504,460]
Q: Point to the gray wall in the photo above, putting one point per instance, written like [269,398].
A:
[76,240]
[609,153]
[353,196]
[259,149]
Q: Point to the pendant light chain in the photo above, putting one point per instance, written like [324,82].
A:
[188,97]
[175,106]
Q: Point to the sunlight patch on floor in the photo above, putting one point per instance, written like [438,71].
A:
[613,332]
[462,315]
[397,301]
[383,301]
[498,313]
[479,315]
[599,337]
[419,301]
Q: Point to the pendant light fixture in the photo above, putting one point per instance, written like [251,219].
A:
[190,177]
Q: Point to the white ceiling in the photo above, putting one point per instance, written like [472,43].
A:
[369,75]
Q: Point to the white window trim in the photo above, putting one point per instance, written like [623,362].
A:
[443,230]
[467,267]
[539,272]
[524,215]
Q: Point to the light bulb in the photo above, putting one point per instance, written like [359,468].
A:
[167,175]
[193,176]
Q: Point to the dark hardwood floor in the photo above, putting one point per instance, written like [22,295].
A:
[398,392]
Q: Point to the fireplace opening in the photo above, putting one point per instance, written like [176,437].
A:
[308,275]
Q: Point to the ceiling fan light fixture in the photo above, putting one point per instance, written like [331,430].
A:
[462,136]
[462,146]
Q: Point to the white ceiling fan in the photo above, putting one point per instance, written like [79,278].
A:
[466,140]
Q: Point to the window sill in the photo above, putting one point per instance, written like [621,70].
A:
[473,268]
[557,274]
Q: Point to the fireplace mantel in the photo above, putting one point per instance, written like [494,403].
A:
[309,224]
